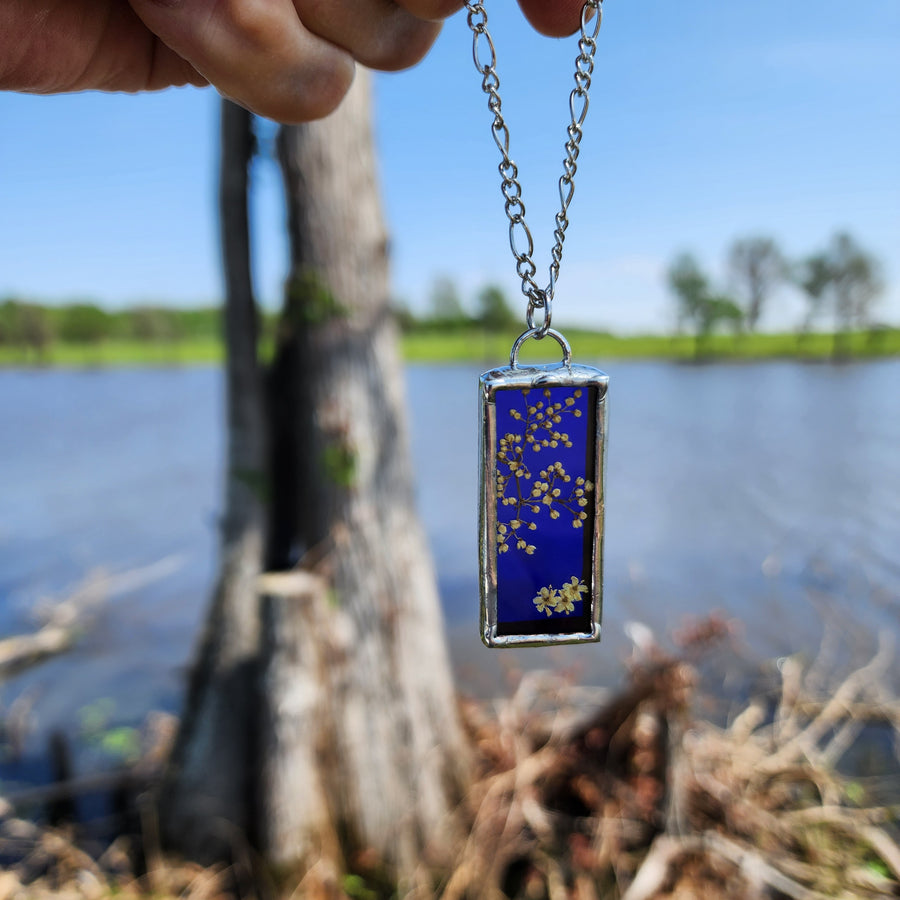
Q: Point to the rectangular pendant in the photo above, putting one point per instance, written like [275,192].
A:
[543,442]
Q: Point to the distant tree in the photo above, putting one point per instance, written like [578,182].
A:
[26,326]
[857,283]
[84,323]
[494,311]
[756,266]
[720,310]
[690,286]
[404,316]
[36,328]
[153,323]
[9,323]
[813,276]
[446,306]
[200,323]
[846,278]
[698,306]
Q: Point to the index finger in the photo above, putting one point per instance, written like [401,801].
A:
[554,18]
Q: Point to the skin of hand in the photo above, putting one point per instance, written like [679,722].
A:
[289,60]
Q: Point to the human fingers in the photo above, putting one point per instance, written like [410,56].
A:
[380,34]
[555,18]
[256,52]
[432,10]
[51,47]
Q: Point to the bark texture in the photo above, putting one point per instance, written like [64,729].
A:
[210,786]
[384,749]
[321,719]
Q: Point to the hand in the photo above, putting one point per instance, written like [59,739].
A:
[290,60]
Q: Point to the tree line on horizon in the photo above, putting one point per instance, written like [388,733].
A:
[34,327]
[842,280]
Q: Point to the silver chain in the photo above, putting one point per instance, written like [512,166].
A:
[520,240]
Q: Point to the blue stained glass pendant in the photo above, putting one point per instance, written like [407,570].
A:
[543,442]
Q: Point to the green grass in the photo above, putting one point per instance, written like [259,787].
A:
[118,353]
[476,346]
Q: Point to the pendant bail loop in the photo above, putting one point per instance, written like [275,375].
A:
[535,333]
[539,300]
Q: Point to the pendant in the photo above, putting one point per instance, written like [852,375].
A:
[543,447]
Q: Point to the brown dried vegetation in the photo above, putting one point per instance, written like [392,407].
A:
[584,795]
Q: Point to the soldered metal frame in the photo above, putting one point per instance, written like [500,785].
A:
[520,377]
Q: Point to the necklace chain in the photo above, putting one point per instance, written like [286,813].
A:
[520,241]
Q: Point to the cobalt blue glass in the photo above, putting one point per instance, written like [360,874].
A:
[543,440]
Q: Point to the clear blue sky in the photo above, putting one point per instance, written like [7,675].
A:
[708,121]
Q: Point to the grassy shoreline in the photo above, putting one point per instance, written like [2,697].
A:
[474,345]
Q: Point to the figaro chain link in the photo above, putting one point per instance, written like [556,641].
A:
[520,240]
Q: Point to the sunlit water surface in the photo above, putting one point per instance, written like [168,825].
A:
[769,491]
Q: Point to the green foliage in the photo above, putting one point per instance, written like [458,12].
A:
[339,463]
[84,323]
[355,887]
[446,306]
[153,323]
[477,346]
[813,276]
[200,323]
[698,306]
[757,267]
[879,867]
[117,741]
[25,326]
[494,311]
[856,280]
[309,301]
[845,279]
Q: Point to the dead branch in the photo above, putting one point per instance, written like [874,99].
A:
[62,620]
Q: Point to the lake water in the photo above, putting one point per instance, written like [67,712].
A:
[770,491]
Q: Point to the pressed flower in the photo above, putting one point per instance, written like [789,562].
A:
[545,601]
[573,589]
